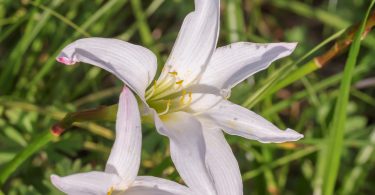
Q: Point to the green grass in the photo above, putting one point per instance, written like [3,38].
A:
[324,103]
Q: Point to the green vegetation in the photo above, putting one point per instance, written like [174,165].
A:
[324,90]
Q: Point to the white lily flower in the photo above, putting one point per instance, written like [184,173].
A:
[189,100]
[120,175]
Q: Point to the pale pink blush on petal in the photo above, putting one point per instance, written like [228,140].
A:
[56,181]
[65,60]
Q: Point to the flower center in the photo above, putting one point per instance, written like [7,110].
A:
[169,94]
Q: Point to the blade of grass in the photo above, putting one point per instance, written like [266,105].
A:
[62,18]
[35,145]
[234,20]
[284,70]
[149,11]
[363,96]
[336,135]
[34,27]
[305,10]
[44,138]
[327,18]
[47,67]
[329,82]
[361,168]
[14,27]
[279,162]
[269,176]
[287,75]
[144,29]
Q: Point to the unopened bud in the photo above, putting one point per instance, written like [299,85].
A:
[57,130]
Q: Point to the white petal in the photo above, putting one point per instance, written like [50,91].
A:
[125,155]
[133,64]
[85,183]
[234,63]
[236,120]
[203,101]
[195,43]
[146,185]
[221,162]
[187,149]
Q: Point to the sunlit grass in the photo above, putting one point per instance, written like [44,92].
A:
[297,92]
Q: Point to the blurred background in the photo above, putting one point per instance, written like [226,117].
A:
[36,91]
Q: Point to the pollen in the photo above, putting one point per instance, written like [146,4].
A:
[174,73]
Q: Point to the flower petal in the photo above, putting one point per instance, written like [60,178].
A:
[145,185]
[187,149]
[125,155]
[236,120]
[221,163]
[195,43]
[85,183]
[133,64]
[203,101]
[234,63]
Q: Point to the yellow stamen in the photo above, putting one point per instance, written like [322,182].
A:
[190,97]
[151,91]
[179,82]
[174,73]
[110,190]
[167,109]
[182,98]
[154,84]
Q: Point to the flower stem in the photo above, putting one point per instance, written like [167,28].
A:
[35,145]
[106,113]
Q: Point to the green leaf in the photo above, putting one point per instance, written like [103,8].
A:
[336,136]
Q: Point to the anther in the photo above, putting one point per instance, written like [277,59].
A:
[179,82]
[174,73]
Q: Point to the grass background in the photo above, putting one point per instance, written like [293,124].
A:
[336,155]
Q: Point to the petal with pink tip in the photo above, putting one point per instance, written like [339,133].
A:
[133,64]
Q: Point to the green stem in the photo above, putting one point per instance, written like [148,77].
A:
[62,18]
[361,169]
[281,161]
[264,91]
[35,145]
[336,135]
[103,113]
[144,29]
[295,75]
[317,87]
